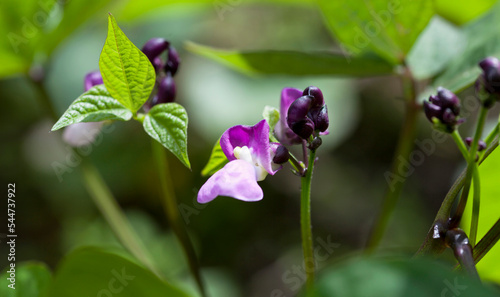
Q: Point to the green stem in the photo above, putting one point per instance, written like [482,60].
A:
[455,220]
[103,198]
[170,205]
[45,99]
[111,211]
[431,244]
[487,242]
[477,188]
[402,153]
[475,206]
[460,144]
[305,223]
[296,164]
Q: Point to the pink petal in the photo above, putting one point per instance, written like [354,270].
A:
[237,180]
[255,138]
[283,132]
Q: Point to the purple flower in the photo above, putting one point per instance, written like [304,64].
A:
[250,156]
[93,78]
[81,134]
[284,134]
[301,113]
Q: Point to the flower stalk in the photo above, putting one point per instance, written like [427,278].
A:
[305,222]
[403,151]
[471,163]
[169,202]
[109,208]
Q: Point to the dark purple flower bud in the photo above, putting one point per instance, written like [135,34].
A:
[488,82]
[298,110]
[447,99]
[304,128]
[481,145]
[432,111]
[173,61]
[166,90]
[316,93]
[281,156]
[93,78]
[491,66]
[445,107]
[448,117]
[157,64]
[468,141]
[319,115]
[154,47]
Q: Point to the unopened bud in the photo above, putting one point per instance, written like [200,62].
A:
[320,118]
[166,90]
[154,47]
[93,78]
[298,110]
[304,128]
[281,156]
[481,145]
[173,61]
[488,83]
[316,93]
[446,99]
[445,108]
[157,64]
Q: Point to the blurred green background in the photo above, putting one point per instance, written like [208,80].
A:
[244,248]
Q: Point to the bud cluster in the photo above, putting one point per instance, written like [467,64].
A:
[165,70]
[443,110]
[488,82]
[308,115]
[481,144]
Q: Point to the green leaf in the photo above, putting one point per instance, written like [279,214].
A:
[294,62]
[126,71]
[95,105]
[32,29]
[167,123]
[432,51]
[32,279]
[271,115]
[462,11]
[394,278]
[483,40]
[216,161]
[488,214]
[97,272]
[388,28]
